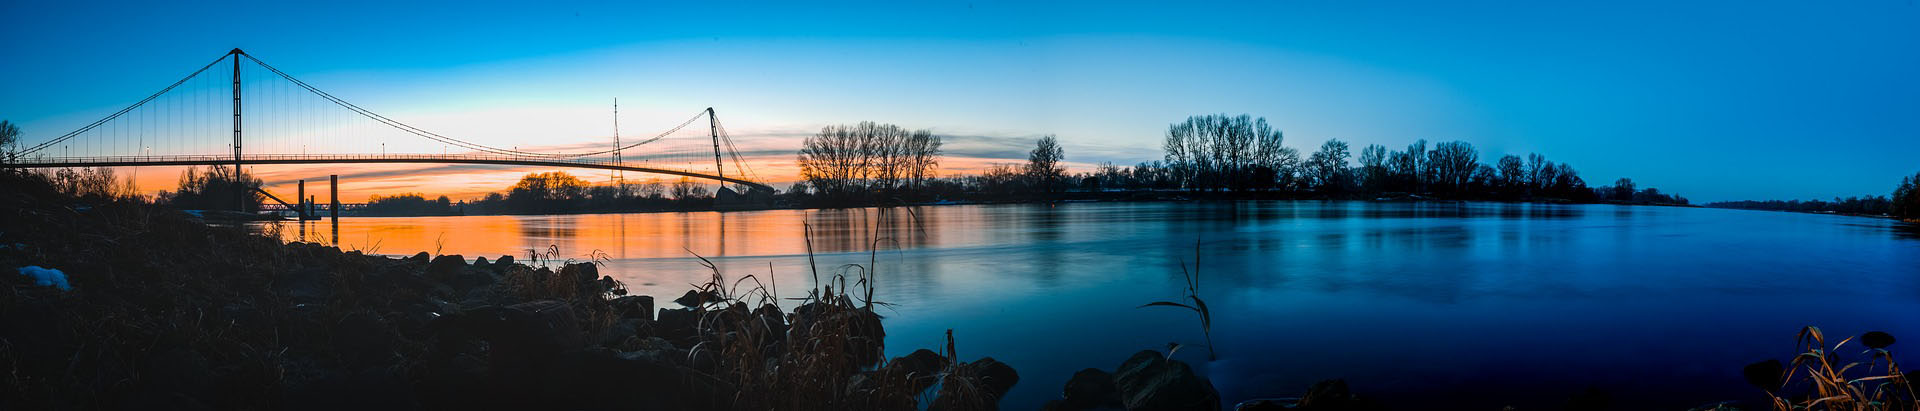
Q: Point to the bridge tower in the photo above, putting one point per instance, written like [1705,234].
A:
[239,184]
[713,130]
[618,175]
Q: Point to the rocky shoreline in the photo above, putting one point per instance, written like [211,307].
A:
[165,312]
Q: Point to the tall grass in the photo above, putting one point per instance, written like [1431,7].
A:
[1198,305]
[827,354]
[1872,383]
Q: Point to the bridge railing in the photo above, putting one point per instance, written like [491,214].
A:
[298,157]
[215,159]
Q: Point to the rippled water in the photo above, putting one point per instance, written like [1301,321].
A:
[1480,304]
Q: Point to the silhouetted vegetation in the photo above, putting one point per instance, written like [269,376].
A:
[9,140]
[559,192]
[155,310]
[1873,205]
[867,162]
[1904,204]
[1043,165]
[217,189]
[408,204]
[88,183]
[1823,377]
[1216,152]
[1906,199]
[1216,155]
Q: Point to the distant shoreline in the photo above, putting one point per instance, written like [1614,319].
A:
[1203,197]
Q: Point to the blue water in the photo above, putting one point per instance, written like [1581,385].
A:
[1417,304]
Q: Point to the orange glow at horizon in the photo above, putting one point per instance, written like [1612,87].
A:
[360,182]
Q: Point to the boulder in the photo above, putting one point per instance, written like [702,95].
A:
[526,335]
[365,338]
[676,324]
[445,268]
[480,261]
[502,262]
[585,276]
[696,298]
[1150,381]
[623,329]
[920,368]
[421,258]
[995,376]
[1091,388]
[306,285]
[633,306]
[975,385]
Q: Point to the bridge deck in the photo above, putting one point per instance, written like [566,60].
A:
[209,160]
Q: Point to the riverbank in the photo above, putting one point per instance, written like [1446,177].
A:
[120,305]
[1068,197]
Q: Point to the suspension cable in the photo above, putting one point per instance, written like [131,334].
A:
[50,143]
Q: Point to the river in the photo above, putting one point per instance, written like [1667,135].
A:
[1465,304]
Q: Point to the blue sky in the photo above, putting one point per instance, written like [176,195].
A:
[1713,100]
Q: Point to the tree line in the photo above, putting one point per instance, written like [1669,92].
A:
[1903,204]
[1215,154]
[867,162]
[872,163]
[559,192]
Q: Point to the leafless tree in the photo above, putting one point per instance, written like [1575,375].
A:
[1043,164]
[845,160]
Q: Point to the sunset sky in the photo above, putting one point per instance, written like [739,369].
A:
[1712,100]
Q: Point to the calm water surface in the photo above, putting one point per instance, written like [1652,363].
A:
[1419,304]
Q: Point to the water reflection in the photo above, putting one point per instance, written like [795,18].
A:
[1419,303]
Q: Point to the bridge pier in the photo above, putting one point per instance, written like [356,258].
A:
[300,211]
[333,187]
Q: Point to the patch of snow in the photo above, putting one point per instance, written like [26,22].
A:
[46,277]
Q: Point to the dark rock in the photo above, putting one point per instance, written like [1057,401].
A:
[1328,395]
[1765,375]
[503,262]
[244,315]
[450,383]
[445,268]
[1876,339]
[696,299]
[623,329]
[975,385]
[1149,381]
[919,362]
[600,379]
[866,332]
[633,306]
[480,262]
[306,285]
[369,389]
[920,368]
[586,276]
[775,321]
[612,286]
[1264,404]
[178,369]
[524,336]
[995,376]
[421,258]
[414,318]
[365,338]
[676,324]
[1091,388]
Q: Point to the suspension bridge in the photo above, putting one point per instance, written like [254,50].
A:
[260,115]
